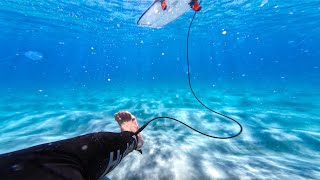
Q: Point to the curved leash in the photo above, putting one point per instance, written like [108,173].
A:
[190,86]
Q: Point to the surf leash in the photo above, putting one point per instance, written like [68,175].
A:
[191,89]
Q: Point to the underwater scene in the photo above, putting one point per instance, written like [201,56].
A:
[67,66]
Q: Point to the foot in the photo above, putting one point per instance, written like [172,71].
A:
[163,5]
[128,122]
[194,4]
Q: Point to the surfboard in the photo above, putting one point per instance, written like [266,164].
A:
[155,17]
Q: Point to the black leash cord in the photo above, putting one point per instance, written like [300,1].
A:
[189,78]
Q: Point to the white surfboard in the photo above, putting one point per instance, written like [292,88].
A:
[155,17]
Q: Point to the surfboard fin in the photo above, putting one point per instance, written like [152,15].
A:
[163,5]
[194,4]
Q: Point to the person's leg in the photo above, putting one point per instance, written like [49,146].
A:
[84,157]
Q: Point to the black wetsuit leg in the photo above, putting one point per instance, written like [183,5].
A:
[87,157]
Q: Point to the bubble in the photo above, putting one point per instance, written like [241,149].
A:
[263,3]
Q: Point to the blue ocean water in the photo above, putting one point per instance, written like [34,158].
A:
[67,66]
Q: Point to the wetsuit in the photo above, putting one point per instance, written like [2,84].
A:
[88,157]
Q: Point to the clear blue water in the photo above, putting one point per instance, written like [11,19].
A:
[67,66]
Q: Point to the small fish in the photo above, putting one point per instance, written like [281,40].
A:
[33,55]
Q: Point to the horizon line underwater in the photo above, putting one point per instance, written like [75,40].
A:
[193,93]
